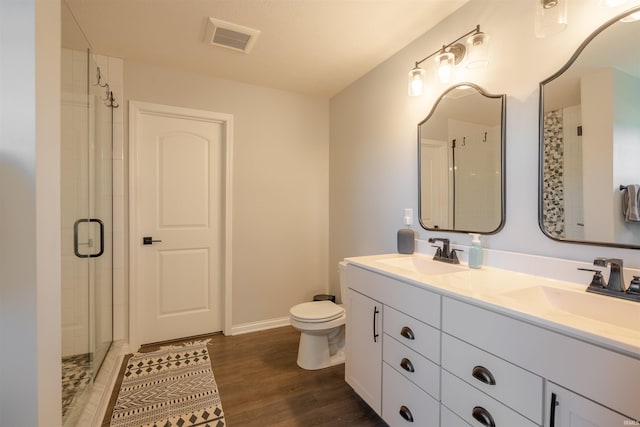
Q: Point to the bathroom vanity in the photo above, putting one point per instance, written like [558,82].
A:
[431,344]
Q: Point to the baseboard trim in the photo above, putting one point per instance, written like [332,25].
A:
[262,325]
[96,407]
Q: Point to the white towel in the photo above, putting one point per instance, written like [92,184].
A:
[631,203]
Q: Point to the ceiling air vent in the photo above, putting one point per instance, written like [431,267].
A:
[231,36]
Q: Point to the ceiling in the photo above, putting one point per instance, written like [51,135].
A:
[314,47]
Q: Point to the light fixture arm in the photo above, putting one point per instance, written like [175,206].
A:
[445,47]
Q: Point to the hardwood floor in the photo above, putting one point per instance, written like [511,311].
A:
[261,385]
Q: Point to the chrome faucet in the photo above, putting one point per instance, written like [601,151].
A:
[444,253]
[616,279]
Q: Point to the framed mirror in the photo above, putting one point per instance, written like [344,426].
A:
[461,162]
[590,140]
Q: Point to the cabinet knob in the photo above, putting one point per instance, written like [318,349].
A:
[407,333]
[483,375]
[406,413]
[483,416]
[407,365]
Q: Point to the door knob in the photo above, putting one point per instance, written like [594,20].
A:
[149,240]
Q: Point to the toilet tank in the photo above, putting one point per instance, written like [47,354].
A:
[342,272]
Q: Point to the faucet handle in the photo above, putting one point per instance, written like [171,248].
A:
[597,280]
[438,253]
[454,256]
[634,287]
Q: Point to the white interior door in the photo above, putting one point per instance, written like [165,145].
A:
[178,170]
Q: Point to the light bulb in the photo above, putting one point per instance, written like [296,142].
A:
[444,66]
[416,81]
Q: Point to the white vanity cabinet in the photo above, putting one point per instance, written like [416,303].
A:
[598,375]
[454,361]
[398,375]
[363,365]
[567,409]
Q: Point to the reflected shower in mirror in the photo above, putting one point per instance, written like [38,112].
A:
[461,162]
[590,139]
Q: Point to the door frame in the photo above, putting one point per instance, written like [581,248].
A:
[137,109]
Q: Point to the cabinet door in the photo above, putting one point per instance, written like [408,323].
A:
[567,409]
[363,366]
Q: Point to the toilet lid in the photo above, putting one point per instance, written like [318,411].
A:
[316,311]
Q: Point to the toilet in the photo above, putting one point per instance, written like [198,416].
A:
[321,325]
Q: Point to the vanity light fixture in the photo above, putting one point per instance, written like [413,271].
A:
[449,56]
[416,80]
[445,61]
[551,17]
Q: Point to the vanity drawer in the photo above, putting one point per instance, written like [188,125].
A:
[413,300]
[514,386]
[413,333]
[416,368]
[402,396]
[449,419]
[465,400]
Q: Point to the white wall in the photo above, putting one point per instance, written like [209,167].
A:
[373,166]
[280,184]
[29,213]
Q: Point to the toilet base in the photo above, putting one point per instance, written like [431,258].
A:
[321,351]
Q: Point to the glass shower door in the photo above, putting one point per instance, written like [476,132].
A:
[76,354]
[86,220]
[100,216]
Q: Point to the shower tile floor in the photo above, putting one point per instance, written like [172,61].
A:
[76,376]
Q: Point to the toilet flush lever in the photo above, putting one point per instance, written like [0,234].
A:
[149,240]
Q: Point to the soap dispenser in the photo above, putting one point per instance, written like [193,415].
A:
[406,236]
[475,252]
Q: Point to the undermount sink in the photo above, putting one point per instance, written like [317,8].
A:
[422,264]
[549,300]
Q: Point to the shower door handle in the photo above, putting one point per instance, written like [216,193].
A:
[76,244]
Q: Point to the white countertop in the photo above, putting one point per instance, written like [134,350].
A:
[557,305]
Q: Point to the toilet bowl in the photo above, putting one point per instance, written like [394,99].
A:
[321,325]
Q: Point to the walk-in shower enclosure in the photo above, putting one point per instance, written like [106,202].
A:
[86,219]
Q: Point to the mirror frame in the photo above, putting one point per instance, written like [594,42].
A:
[554,76]
[503,155]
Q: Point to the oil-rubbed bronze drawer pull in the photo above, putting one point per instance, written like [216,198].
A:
[406,413]
[483,416]
[484,375]
[407,333]
[407,365]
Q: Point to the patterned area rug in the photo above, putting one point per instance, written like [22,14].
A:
[173,386]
